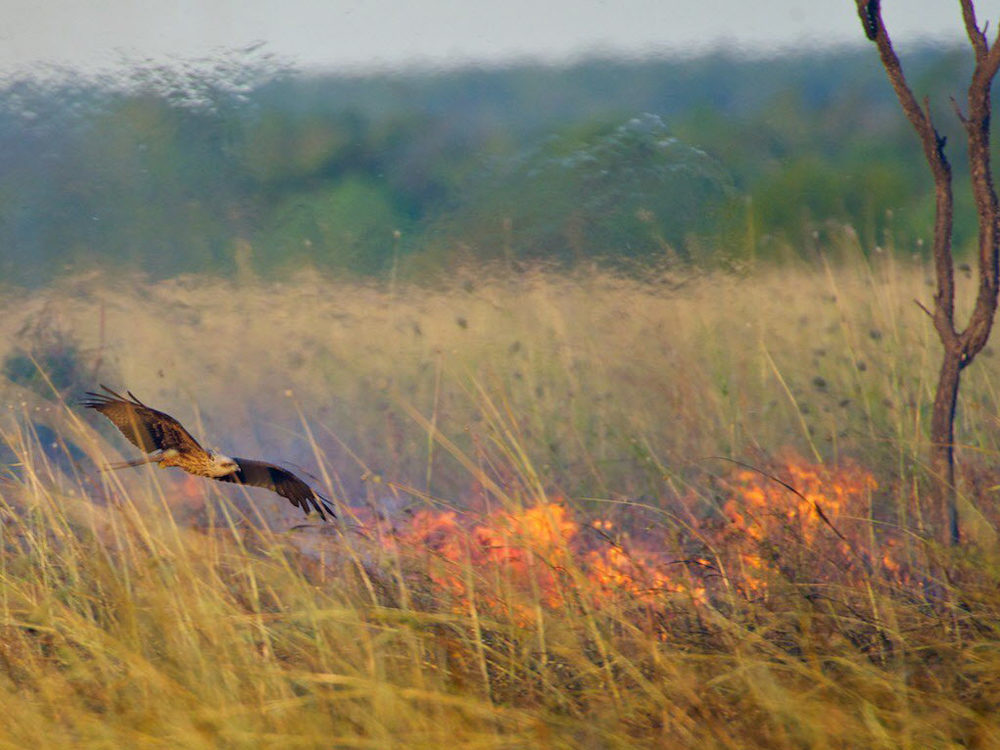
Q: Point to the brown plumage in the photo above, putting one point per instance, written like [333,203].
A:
[169,444]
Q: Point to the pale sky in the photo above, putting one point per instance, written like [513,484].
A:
[396,34]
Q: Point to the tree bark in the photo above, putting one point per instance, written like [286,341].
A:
[943,440]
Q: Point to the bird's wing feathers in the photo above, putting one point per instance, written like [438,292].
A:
[147,429]
[281,481]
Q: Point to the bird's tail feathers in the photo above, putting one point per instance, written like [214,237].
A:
[130,464]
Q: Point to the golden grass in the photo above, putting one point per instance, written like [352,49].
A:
[566,421]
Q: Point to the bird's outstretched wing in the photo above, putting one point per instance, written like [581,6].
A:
[281,481]
[147,429]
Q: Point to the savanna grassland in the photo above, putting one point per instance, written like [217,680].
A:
[540,543]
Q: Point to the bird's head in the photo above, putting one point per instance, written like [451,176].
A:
[222,464]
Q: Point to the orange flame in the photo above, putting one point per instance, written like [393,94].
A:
[515,563]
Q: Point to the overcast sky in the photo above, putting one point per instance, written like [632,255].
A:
[362,34]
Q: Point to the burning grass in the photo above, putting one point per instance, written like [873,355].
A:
[534,549]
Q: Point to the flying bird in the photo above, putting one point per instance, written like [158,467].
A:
[169,444]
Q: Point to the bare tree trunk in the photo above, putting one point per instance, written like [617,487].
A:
[943,439]
[960,347]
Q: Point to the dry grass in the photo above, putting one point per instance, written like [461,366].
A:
[533,549]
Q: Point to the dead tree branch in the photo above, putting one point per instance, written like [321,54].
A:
[960,346]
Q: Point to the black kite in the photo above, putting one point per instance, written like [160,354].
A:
[170,444]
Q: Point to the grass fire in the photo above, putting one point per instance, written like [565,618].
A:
[573,510]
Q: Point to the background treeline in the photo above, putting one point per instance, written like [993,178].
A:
[239,164]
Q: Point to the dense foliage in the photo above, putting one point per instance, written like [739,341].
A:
[238,164]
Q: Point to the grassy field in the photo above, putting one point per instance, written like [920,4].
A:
[539,543]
